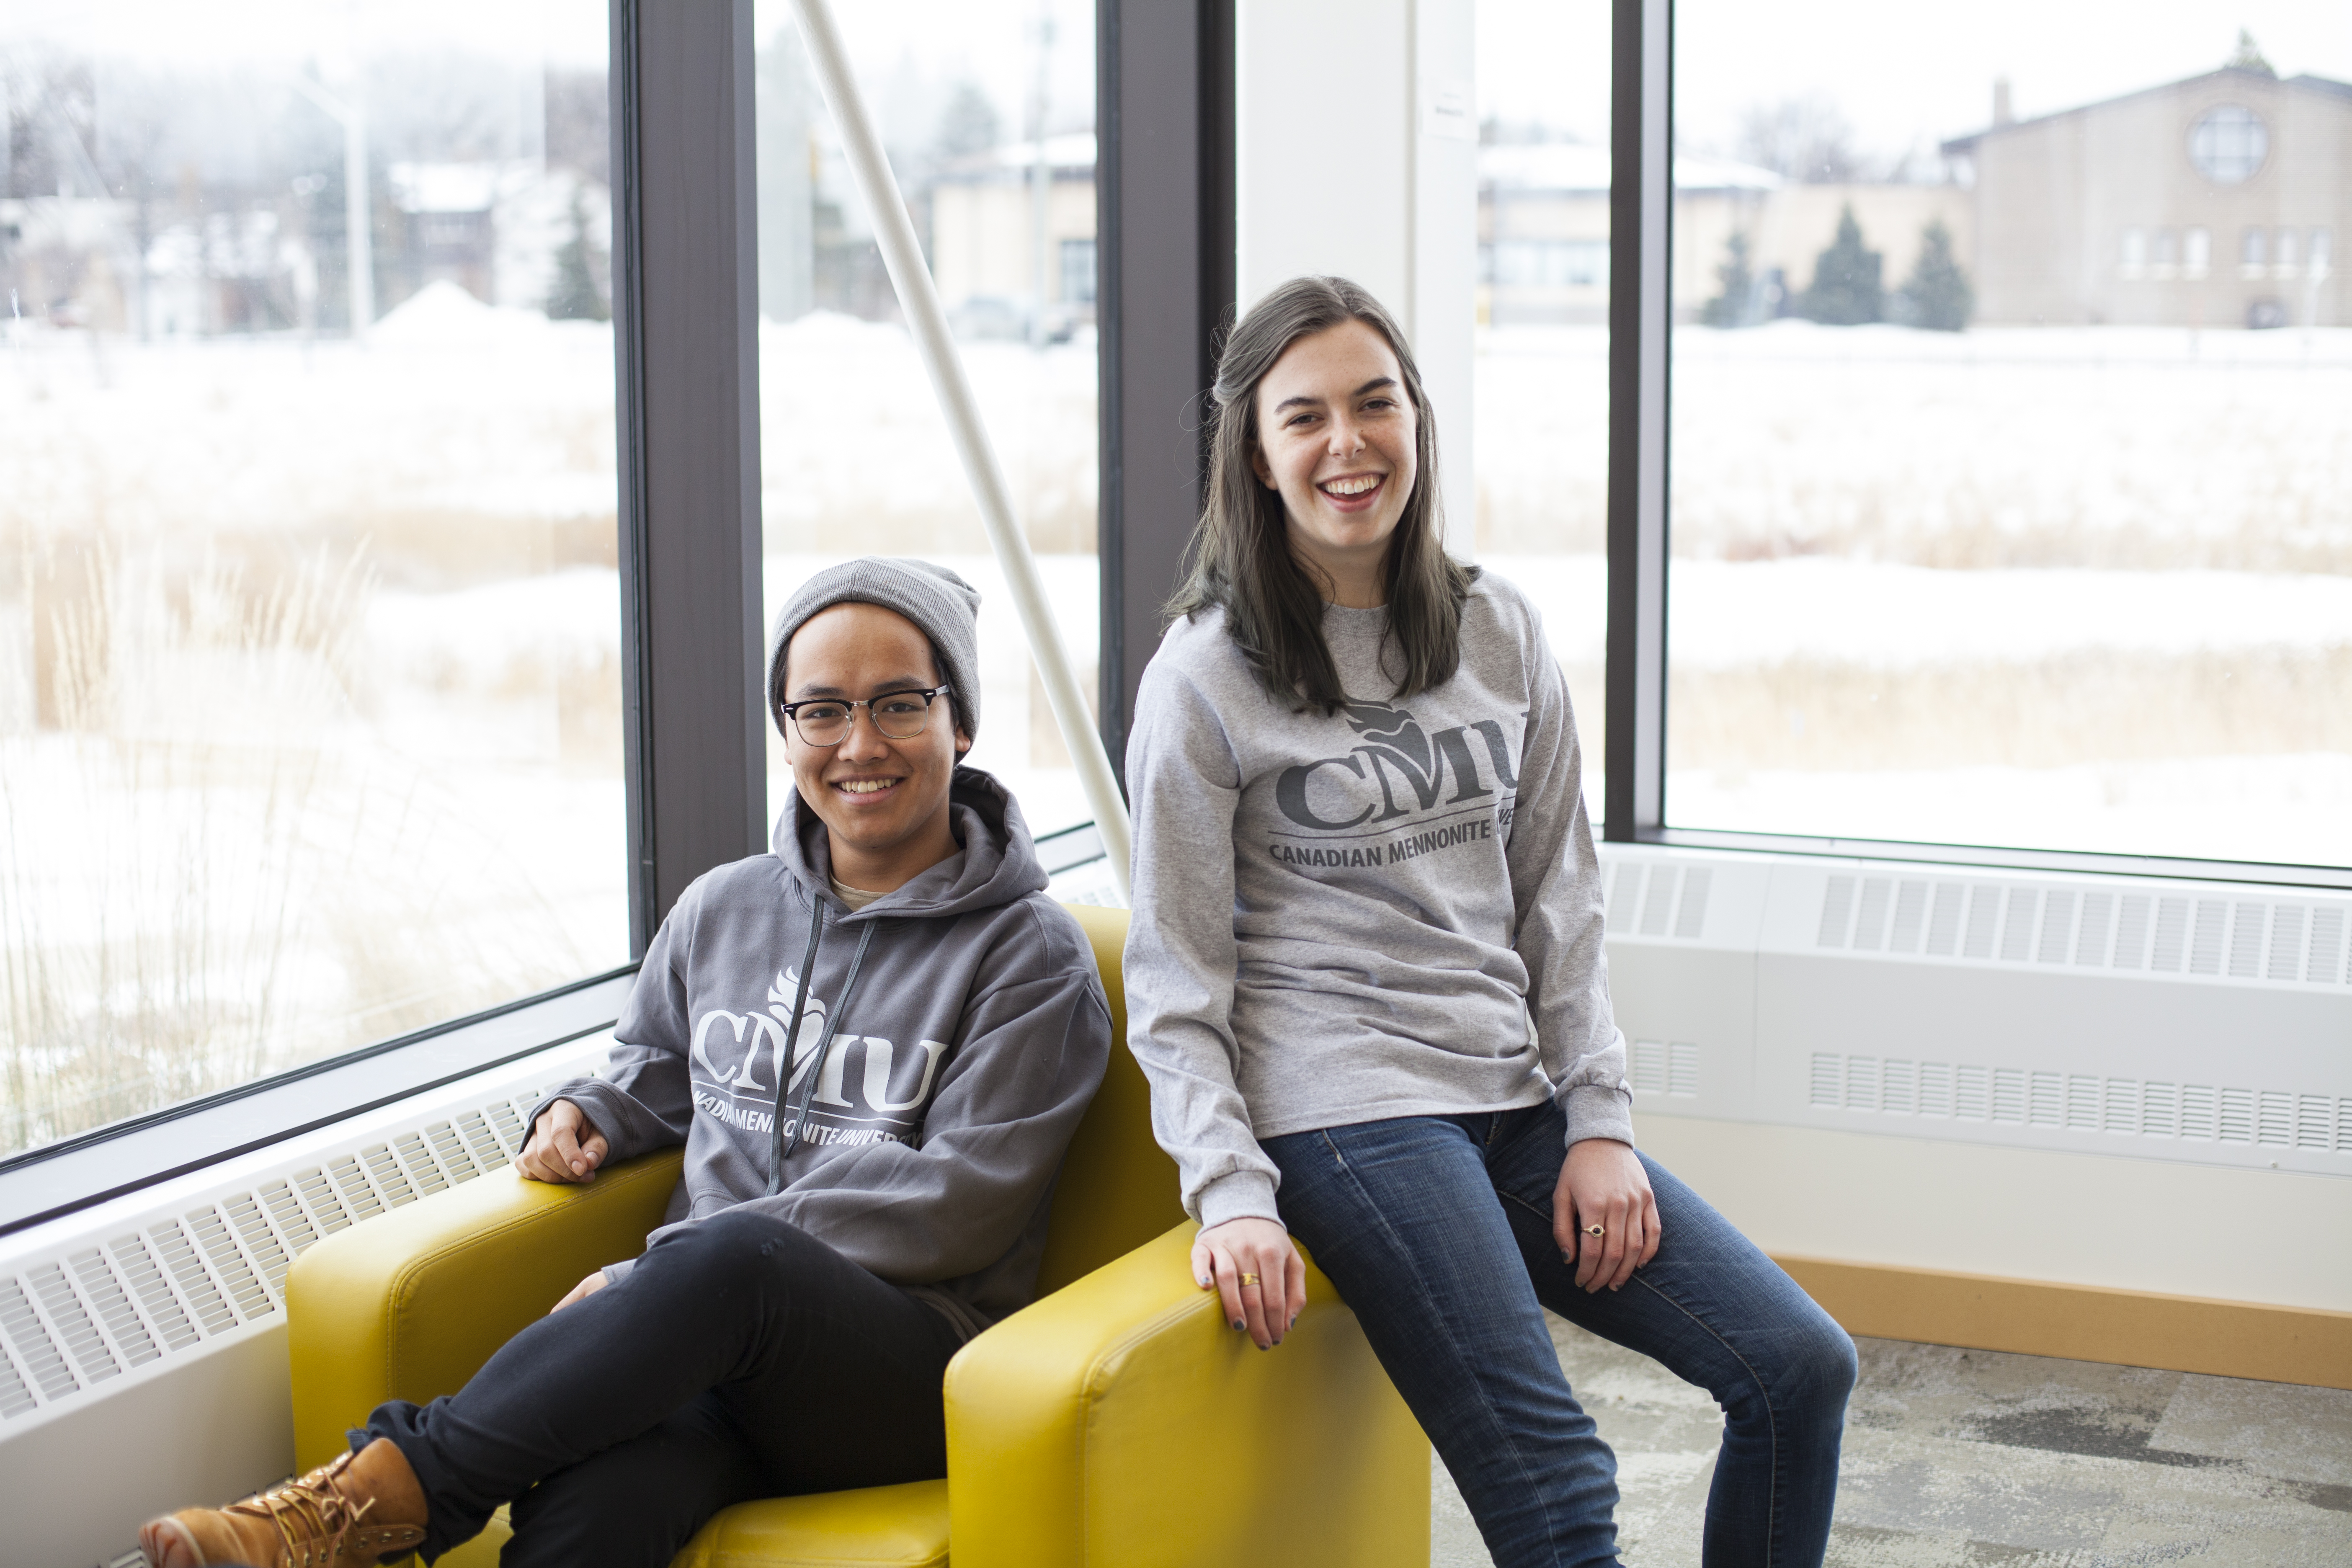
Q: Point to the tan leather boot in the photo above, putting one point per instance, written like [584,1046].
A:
[350,1514]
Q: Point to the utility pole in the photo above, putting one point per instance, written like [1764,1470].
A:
[357,251]
[1040,176]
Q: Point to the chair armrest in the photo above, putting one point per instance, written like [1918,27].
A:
[409,1306]
[1120,1420]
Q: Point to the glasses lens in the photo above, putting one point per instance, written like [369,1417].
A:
[822,723]
[900,714]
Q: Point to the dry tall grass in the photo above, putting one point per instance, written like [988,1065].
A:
[1819,716]
[208,871]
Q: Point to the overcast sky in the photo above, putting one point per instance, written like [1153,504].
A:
[214,32]
[1906,74]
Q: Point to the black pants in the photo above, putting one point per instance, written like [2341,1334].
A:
[741,1358]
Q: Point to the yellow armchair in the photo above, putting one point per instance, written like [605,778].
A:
[1116,1422]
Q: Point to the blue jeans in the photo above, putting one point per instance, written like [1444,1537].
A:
[1437,1231]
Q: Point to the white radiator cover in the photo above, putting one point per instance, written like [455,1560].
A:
[2198,1034]
[142,1342]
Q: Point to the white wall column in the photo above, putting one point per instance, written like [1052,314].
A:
[1357,133]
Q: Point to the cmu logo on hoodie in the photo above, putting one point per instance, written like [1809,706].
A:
[1441,790]
[869,1090]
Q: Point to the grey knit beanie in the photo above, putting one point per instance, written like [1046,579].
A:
[942,605]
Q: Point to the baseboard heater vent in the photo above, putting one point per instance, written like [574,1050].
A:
[2216,936]
[2124,1107]
[2158,1018]
[1657,900]
[125,1296]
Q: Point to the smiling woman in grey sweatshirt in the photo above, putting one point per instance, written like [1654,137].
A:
[1366,975]
[1357,915]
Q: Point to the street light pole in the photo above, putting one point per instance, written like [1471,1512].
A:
[358,252]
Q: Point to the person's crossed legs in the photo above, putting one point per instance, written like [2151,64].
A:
[741,1358]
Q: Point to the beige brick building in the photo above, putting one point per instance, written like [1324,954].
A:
[987,224]
[2219,201]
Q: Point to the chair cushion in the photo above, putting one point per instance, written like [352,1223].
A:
[906,1526]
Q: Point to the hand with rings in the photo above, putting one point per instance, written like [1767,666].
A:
[1603,1215]
[1259,1277]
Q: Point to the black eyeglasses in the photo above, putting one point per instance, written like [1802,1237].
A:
[825,721]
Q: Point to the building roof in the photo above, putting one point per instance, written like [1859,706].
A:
[444,187]
[1072,152]
[2305,83]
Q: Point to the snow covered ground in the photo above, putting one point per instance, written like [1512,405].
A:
[2080,588]
[2105,447]
[1737,615]
[341,629]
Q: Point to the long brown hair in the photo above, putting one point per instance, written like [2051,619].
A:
[1241,555]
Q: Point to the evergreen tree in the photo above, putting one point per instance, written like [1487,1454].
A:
[1734,306]
[574,296]
[1937,295]
[967,124]
[1846,290]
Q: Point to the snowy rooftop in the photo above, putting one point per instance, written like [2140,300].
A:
[454,187]
[1074,151]
[1535,166]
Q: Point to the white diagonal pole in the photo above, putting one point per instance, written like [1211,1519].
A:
[919,296]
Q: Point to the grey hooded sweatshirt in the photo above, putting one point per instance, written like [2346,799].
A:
[975,1041]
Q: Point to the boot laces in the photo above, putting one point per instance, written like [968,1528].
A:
[312,1516]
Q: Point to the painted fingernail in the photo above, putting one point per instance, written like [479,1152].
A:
[1237,1322]
[1203,1284]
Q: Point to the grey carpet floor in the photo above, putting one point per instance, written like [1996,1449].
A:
[1965,1459]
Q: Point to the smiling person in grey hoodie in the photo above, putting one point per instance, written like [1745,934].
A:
[875,1044]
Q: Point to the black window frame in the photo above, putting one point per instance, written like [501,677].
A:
[1641,364]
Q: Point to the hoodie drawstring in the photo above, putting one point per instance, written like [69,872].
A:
[779,1150]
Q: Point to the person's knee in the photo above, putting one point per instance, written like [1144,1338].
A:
[731,1249]
[1819,1369]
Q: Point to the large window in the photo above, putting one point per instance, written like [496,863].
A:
[1541,440]
[2012,427]
[309,694]
[988,114]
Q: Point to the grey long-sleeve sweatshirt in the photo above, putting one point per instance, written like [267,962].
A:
[1354,917]
[947,1092]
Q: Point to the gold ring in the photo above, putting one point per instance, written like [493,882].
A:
[1596,1231]
[1249,1279]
